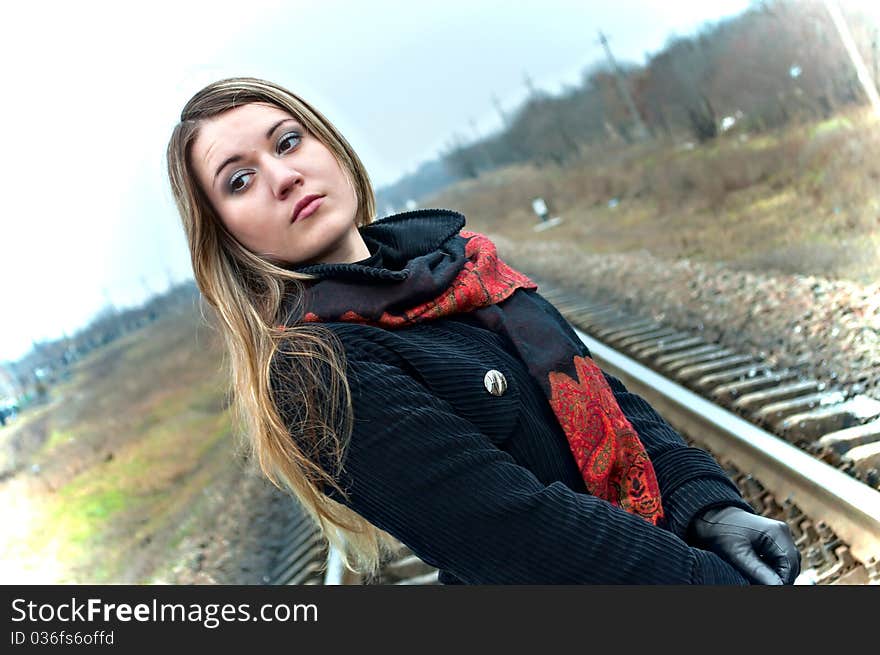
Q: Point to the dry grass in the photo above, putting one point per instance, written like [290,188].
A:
[129,451]
[803,200]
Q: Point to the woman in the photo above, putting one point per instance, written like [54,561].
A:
[404,383]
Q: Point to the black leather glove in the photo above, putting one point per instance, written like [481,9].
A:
[761,548]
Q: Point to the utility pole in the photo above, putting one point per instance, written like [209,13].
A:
[511,143]
[69,348]
[117,315]
[481,144]
[874,53]
[148,291]
[170,277]
[505,121]
[473,125]
[640,131]
[530,86]
[468,165]
[852,50]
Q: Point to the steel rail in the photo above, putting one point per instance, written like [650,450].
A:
[849,507]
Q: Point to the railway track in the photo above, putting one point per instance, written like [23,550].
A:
[801,450]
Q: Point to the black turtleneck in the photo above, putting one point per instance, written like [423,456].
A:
[394,242]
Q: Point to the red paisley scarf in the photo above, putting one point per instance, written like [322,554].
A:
[444,270]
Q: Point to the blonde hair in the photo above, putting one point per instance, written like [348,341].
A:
[306,415]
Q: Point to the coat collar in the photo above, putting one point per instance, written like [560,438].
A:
[400,240]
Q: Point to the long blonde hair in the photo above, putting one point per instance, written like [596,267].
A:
[306,415]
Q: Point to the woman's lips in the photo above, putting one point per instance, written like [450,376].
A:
[309,209]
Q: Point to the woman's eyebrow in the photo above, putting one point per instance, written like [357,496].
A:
[235,158]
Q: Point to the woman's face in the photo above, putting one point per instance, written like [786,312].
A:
[261,170]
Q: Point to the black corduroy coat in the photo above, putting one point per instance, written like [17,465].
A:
[484,486]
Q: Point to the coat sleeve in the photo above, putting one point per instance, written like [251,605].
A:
[429,477]
[690,479]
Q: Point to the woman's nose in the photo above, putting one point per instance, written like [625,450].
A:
[282,177]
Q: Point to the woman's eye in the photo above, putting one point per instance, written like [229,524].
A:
[288,142]
[239,181]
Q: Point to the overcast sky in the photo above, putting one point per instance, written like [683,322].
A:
[93,89]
